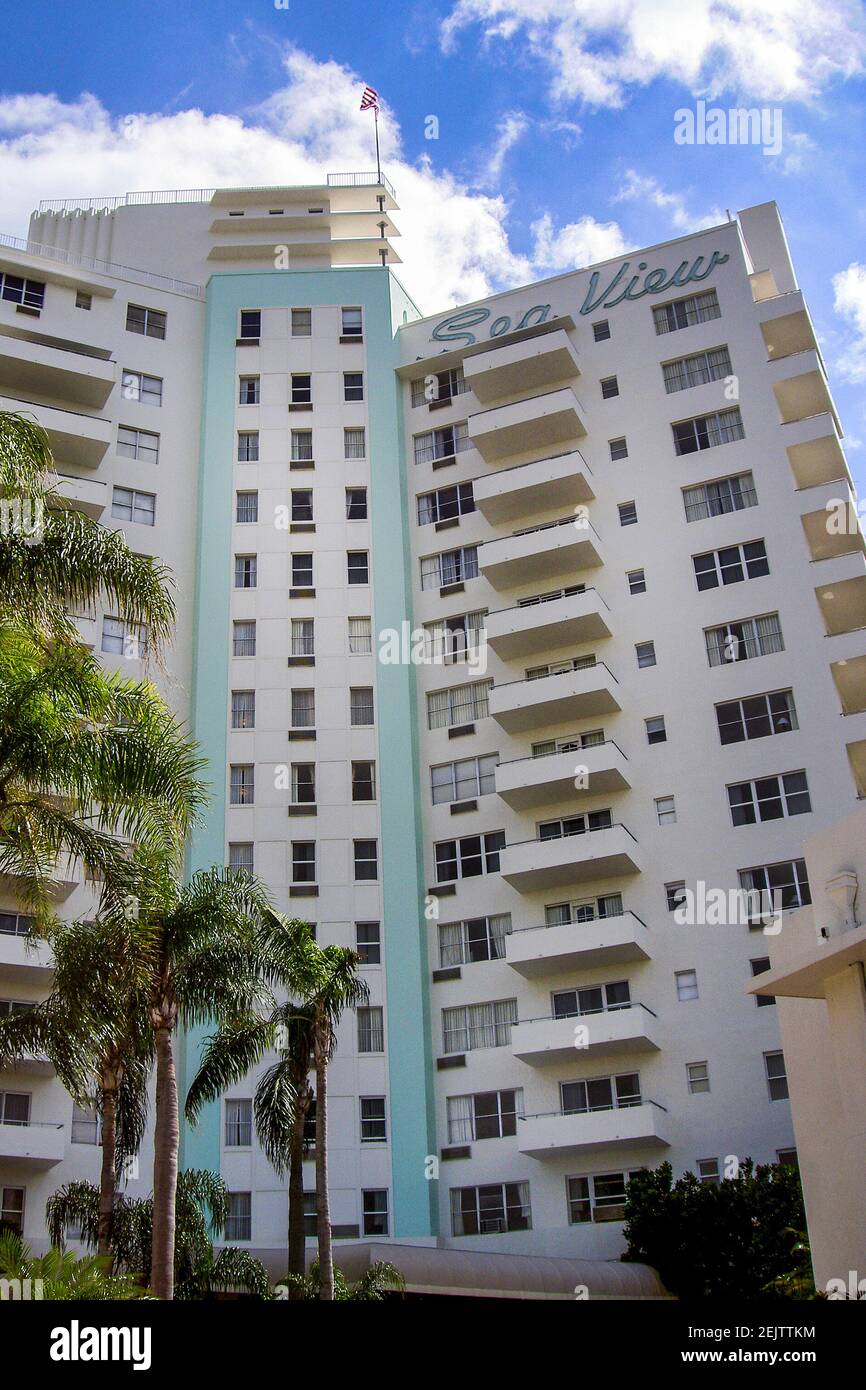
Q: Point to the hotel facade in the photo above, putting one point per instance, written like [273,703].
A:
[517,639]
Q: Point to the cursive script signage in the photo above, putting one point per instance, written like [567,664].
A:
[455,328]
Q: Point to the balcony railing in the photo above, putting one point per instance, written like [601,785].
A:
[549,675]
[582,922]
[373,179]
[122,272]
[589,1013]
[554,752]
[627,1104]
[570,834]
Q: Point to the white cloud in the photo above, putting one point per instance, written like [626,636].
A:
[575,245]
[849,289]
[642,188]
[597,50]
[510,128]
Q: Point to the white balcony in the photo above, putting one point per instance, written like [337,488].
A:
[849,675]
[548,624]
[518,706]
[800,386]
[557,1135]
[814,448]
[562,480]
[611,1032]
[23,959]
[547,950]
[842,598]
[83,494]
[533,364]
[79,440]
[527,782]
[37,1145]
[830,521]
[69,372]
[540,422]
[540,553]
[786,326]
[536,865]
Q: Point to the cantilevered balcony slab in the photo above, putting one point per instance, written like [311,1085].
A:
[830,521]
[536,865]
[511,494]
[80,440]
[800,386]
[545,950]
[539,554]
[842,597]
[849,675]
[815,452]
[87,495]
[527,782]
[32,1145]
[558,1135]
[539,422]
[572,618]
[68,373]
[786,326]
[518,706]
[534,364]
[611,1032]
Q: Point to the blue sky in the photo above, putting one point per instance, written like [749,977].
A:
[555,132]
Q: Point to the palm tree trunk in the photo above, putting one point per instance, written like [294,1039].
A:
[297,1242]
[323,1202]
[107,1176]
[165,1148]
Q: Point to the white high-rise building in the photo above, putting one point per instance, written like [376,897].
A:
[621,476]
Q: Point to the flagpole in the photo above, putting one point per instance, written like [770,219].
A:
[376,123]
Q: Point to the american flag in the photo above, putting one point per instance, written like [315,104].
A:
[370,98]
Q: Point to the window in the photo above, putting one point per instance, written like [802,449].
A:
[731,564]
[785,885]
[487,1115]
[15,924]
[697,1077]
[249,390]
[310,1216]
[303,637]
[356,504]
[302,446]
[373,1122]
[83,301]
[243,709]
[682,313]
[239,1222]
[241,856]
[352,324]
[495,1207]
[374,1214]
[564,826]
[451,567]
[129,505]
[441,444]
[251,323]
[364,781]
[655,729]
[360,636]
[469,856]
[675,895]
[242,784]
[636,582]
[302,323]
[445,504]
[769,798]
[371,1029]
[472,1026]
[585,910]
[463,780]
[627,513]
[687,985]
[302,570]
[14,1108]
[354,443]
[353,386]
[247,508]
[12,1209]
[137,386]
[439,388]
[366,861]
[243,637]
[368,942]
[697,369]
[731,494]
[758,966]
[302,504]
[599,1197]
[706,431]
[123,639]
[450,639]
[618,449]
[600,1093]
[758,716]
[708,1171]
[476,939]
[777,1080]
[744,639]
[239,1124]
[592,999]
[302,389]
[85,1124]
[609,387]
[303,861]
[245,571]
[150,322]
[361,706]
[601,330]
[666,810]
[303,709]
[303,784]
[358,564]
[248,446]
[646,654]
[137,444]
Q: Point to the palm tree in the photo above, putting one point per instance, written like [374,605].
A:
[76,561]
[63,1275]
[379,1279]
